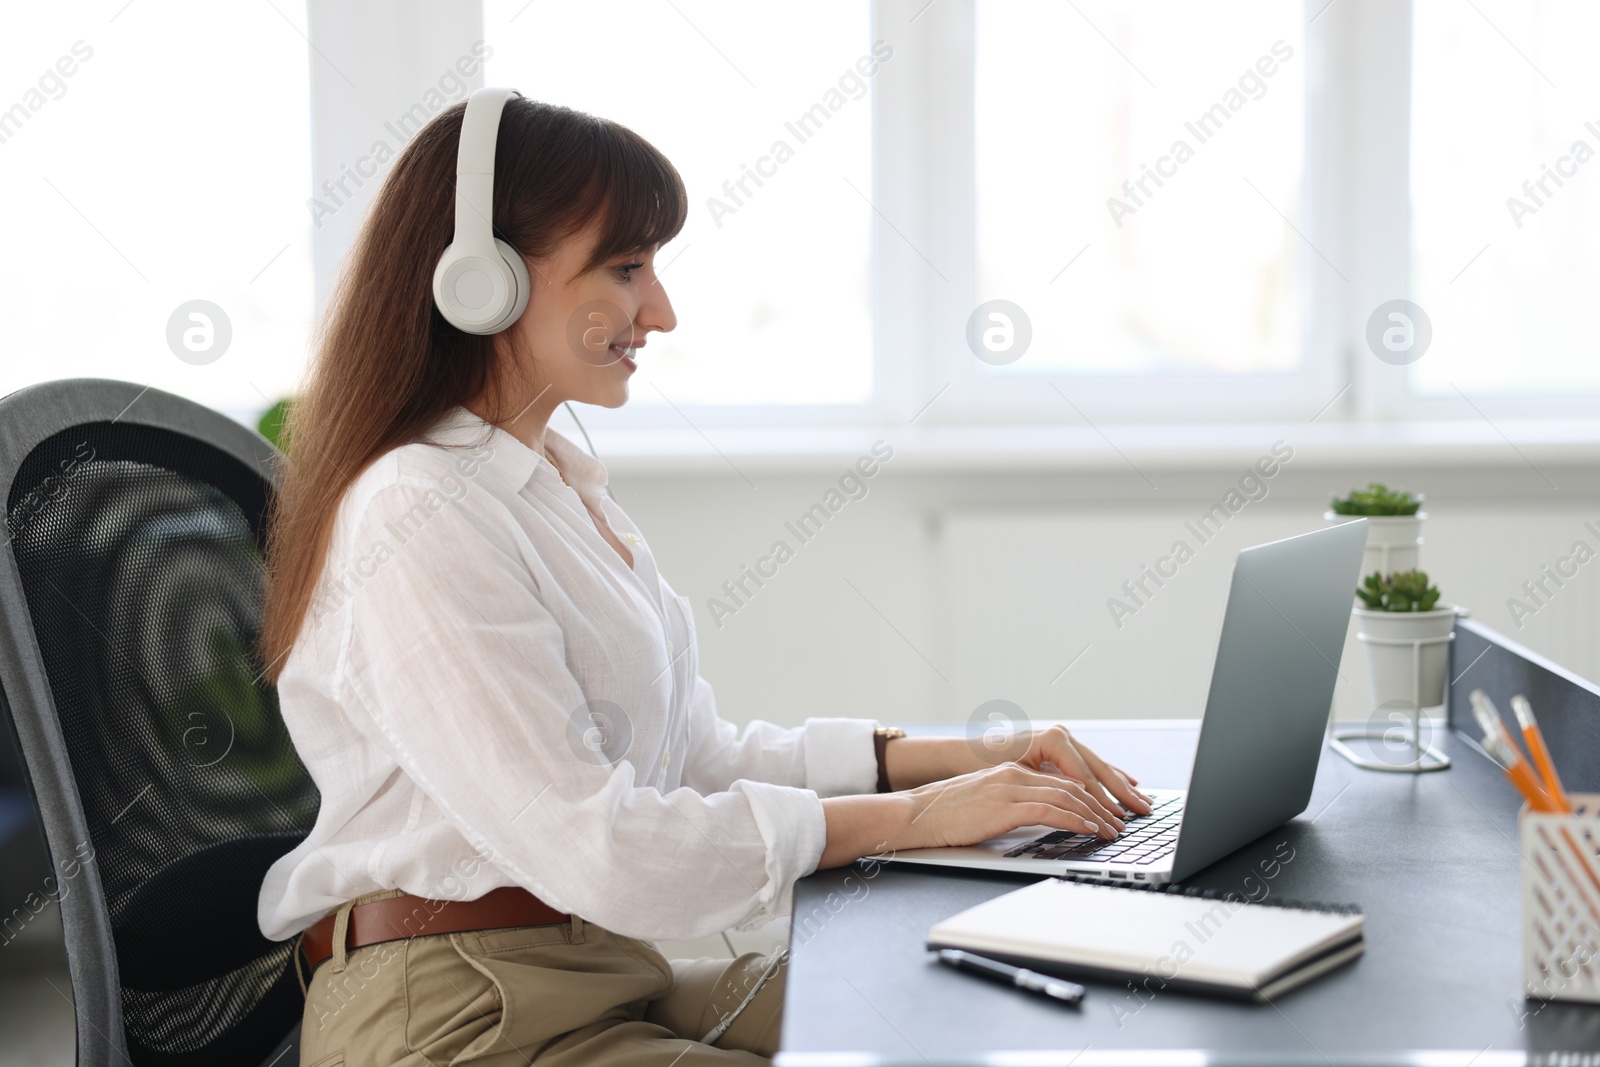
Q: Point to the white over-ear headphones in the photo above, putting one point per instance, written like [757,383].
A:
[481,284]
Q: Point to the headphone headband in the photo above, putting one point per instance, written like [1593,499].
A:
[480,130]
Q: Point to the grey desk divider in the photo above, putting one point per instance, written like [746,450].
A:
[1567,706]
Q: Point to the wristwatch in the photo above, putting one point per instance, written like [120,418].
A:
[880,741]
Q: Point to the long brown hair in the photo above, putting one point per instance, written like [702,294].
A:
[387,366]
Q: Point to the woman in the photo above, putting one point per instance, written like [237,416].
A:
[524,779]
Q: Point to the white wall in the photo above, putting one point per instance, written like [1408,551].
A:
[941,590]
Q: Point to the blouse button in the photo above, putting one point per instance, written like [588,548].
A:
[632,537]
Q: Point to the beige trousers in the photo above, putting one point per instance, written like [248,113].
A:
[557,996]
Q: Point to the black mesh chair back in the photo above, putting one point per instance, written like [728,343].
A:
[130,600]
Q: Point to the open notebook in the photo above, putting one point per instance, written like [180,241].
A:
[1174,937]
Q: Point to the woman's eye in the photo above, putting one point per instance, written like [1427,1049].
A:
[627,268]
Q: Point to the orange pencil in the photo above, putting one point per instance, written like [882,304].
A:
[1497,742]
[1533,737]
[1522,776]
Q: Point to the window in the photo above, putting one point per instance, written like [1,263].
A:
[768,117]
[1137,170]
[1140,202]
[156,154]
[1505,196]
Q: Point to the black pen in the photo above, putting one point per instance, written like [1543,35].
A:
[1021,977]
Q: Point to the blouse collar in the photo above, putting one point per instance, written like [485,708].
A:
[583,472]
[511,463]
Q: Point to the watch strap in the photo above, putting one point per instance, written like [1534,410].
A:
[880,744]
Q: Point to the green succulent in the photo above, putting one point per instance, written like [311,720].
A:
[1400,591]
[1377,499]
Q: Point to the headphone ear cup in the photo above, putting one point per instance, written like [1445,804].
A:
[479,295]
[522,289]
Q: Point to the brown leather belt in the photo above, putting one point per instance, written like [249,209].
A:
[397,918]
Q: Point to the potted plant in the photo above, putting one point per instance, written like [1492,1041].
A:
[271,423]
[1394,526]
[1406,634]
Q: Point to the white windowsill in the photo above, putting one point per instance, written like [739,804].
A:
[1149,447]
[685,450]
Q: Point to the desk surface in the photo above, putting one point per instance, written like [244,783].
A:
[1432,859]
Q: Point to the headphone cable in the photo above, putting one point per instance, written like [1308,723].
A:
[568,405]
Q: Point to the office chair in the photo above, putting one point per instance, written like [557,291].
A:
[130,600]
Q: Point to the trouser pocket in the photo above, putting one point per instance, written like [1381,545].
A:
[549,984]
[454,1008]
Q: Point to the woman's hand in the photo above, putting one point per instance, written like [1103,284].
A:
[963,810]
[914,761]
[996,800]
[1055,746]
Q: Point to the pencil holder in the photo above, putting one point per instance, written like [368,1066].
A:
[1561,901]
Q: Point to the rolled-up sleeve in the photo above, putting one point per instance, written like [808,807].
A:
[473,702]
[840,758]
[829,756]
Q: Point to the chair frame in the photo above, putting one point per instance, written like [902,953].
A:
[28,417]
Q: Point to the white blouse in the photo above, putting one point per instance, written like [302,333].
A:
[487,695]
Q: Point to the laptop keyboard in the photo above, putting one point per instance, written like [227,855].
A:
[1147,839]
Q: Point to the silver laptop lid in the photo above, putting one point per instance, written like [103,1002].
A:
[1272,684]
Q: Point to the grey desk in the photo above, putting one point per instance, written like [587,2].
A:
[1432,859]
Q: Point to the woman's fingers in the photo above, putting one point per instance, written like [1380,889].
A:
[1000,799]
[1071,761]
[1118,782]
[1131,779]
[1057,746]
[1109,814]
[1137,792]
[1106,824]
[1045,814]
[1071,792]
[1079,761]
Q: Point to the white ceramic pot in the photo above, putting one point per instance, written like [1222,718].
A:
[1394,542]
[1404,672]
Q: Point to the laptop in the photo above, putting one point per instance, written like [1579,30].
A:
[1261,736]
